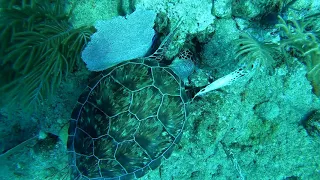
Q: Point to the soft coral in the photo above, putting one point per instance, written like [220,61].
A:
[304,37]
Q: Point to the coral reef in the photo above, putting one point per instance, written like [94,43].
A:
[38,50]
[304,37]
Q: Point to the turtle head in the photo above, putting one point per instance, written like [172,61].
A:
[183,65]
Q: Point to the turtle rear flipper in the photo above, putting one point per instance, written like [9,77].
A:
[160,52]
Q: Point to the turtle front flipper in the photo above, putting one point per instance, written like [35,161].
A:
[160,52]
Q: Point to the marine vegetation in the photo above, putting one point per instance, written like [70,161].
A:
[299,38]
[38,48]
[303,37]
[253,50]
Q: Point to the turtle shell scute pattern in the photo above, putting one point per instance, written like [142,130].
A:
[126,122]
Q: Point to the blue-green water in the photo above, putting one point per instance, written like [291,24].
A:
[264,125]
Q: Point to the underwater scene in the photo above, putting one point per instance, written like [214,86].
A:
[160,89]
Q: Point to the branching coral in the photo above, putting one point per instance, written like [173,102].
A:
[38,49]
[303,36]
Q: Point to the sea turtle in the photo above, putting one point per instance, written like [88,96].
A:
[128,119]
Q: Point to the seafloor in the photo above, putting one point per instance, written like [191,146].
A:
[252,129]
